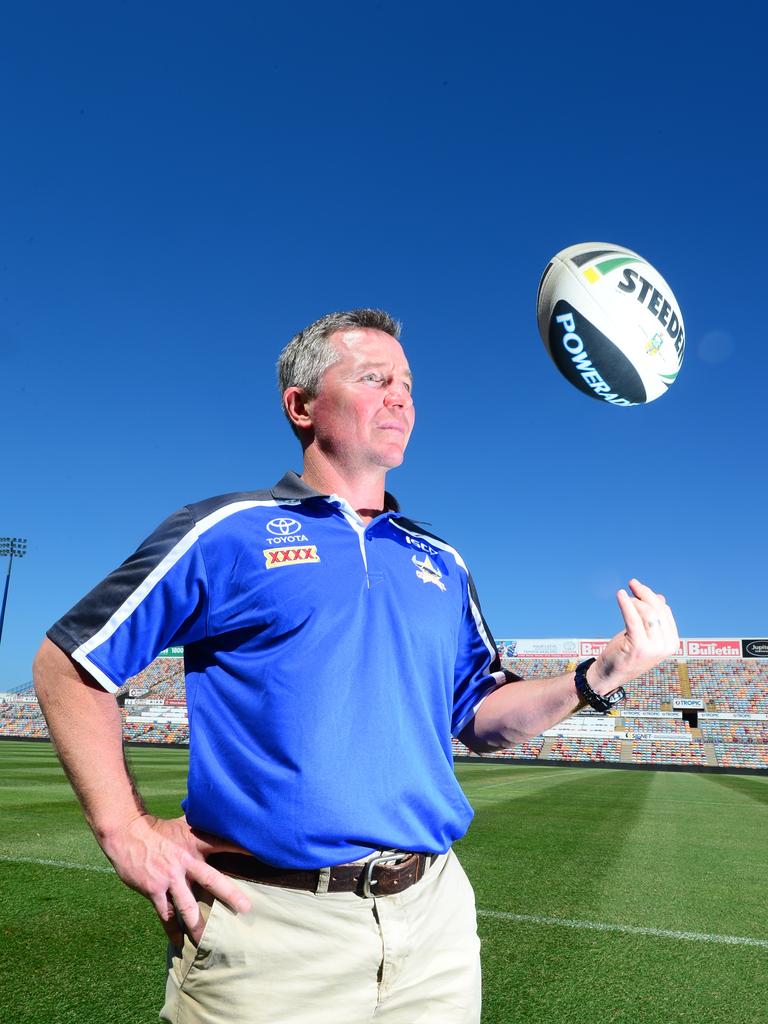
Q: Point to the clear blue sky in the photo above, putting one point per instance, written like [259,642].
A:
[184,186]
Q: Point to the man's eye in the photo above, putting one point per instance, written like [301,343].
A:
[373,378]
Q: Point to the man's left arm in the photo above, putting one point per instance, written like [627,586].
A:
[525,708]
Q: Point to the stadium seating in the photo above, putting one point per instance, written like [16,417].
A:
[657,728]
[163,678]
[156,732]
[644,731]
[570,749]
[730,684]
[21,717]
[741,755]
[654,688]
[734,732]
[668,752]
[529,750]
[536,668]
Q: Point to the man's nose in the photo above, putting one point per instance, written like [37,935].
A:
[398,394]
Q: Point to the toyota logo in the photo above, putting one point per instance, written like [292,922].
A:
[283,527]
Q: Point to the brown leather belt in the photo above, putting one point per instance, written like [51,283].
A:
[384,875]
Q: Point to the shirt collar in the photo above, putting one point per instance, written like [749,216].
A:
[292,488]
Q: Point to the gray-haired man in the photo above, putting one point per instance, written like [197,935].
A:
[332,647]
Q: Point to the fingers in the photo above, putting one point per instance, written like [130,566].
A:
[645,596]
[166,911]
[661,614]
[162,860]
[187,911]
[170,923]
[649,637]
[645,609]
[219,885]
[179,910]
[645,593]
[631,614]
[648,619]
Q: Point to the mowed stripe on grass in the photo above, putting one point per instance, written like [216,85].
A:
[600,926]
[602,894]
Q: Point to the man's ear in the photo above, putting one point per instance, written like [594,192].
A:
[296,402]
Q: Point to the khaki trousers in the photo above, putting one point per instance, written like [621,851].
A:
[334,958]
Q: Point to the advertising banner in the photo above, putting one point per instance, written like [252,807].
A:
[698,647]
[529,648]
[172,652]
[687,703]
[668,737]
[713,648]
[651,714]
[591,648]
[731,716]
[754,648]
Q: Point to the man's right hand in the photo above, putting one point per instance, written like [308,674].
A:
[162,859]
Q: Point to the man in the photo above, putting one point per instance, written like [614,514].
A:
[332,646]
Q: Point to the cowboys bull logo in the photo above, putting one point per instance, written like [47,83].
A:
[428,572]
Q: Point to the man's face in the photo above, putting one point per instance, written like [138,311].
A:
[363,414]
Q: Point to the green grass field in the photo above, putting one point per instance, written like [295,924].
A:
[603,895]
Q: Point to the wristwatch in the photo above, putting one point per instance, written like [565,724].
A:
[588,695]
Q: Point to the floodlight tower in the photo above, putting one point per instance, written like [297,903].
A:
[10,547]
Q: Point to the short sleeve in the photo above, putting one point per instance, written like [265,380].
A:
[156,599]
[476,661]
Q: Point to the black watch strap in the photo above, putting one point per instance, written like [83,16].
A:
[588,695]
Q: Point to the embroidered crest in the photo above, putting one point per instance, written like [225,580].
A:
[428,572]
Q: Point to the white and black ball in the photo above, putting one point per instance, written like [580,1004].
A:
[610,323]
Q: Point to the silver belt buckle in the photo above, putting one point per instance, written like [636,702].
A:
[384,858]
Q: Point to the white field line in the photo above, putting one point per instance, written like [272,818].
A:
[70,865]
[562,922]
[627,929]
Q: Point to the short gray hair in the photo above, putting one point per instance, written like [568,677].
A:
[309,353]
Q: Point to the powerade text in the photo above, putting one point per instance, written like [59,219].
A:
[574,346]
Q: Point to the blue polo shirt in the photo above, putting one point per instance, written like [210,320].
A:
[328,662]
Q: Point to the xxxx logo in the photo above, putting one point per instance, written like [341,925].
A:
[290,556]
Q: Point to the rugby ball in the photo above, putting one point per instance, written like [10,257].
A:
[610,323]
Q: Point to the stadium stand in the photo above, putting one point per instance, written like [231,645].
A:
[164,678]
[655,688]
[656,728]
[734,732]
[730,684]
[155,706]
[741,755]
[647,730]
[526,751]
[731,731]
[570,749]
[668,752]
[536,668]
[20,715]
